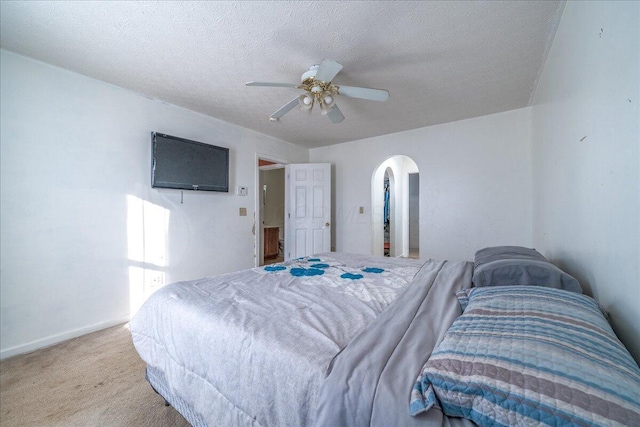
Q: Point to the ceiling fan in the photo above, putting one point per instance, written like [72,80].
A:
[319,89]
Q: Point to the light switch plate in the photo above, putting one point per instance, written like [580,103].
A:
[361,209]
[243,211]
[241,191]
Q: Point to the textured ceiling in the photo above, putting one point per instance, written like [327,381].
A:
[440,61]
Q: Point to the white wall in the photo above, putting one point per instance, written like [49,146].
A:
[475,184]
[76,197]
[586,140]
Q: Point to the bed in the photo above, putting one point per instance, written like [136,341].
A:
[333,339]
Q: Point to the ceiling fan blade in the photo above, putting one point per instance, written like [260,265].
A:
[363,93]
[335,115]
[328,70]
[285,109]
[271,84]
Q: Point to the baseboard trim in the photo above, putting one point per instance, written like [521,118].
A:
[58,338]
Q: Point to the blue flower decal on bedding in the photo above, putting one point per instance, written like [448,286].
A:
[275,268]
[351,276]
[298,272]
[314,259]
[373,270]
[320,266]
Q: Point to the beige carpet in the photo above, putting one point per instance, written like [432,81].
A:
[93,380]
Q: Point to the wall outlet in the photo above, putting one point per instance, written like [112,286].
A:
[243,211]
[153,280]
[361,209]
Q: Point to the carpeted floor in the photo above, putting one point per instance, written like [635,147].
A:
[93,380]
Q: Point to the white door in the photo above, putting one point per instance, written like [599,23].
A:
[307,209]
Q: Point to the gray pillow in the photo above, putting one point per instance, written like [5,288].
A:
[516,265]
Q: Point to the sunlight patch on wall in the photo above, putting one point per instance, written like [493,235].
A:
[147,229]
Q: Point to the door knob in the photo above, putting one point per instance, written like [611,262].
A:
[327,224]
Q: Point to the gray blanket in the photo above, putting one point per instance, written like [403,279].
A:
[370,381]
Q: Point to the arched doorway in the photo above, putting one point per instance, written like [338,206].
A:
[395,208]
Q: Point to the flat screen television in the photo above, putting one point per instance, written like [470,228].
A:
[188,165]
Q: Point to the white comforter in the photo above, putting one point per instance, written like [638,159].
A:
[252,347]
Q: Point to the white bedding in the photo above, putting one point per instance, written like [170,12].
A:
[252,347]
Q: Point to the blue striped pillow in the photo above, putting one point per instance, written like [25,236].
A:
[523,355]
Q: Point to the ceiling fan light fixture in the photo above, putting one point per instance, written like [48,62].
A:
[306,101]
[326,101]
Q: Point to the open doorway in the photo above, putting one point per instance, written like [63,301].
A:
[395,213]
[388,176]
[293,208]
[270,212]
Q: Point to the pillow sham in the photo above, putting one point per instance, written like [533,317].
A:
[497,253]
[527,355]
[516,265]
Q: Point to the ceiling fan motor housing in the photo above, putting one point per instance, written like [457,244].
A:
[313,70]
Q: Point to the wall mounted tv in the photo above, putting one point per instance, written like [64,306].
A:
[188,165]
